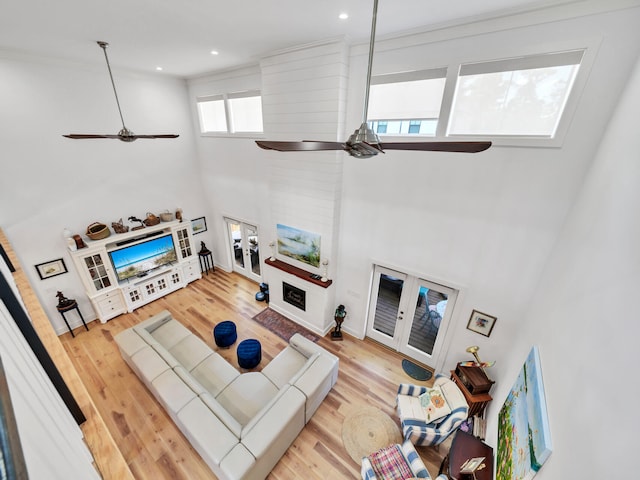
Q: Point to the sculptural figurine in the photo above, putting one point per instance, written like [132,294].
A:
[203,249]
[339,318]
[64,301]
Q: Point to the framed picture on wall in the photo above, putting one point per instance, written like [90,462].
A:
[198,225]
[51,269]
[481,323]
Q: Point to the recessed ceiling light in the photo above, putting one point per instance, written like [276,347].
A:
[159,69]
[343,16]
[214,52]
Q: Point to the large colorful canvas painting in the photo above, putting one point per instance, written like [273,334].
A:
[524,439]
[298,244]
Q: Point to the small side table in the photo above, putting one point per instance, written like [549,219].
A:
[463,447]
[206,261]
[477,402]
[67,308]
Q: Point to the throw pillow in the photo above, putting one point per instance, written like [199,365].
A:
[435,404]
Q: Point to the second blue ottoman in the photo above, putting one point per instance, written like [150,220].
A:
[249,353]
[225,334]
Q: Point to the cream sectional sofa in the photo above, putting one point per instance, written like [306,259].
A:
[240,423]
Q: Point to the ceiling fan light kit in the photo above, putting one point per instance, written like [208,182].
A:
[364,143]
[124,134]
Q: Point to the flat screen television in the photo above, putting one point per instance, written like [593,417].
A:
[139,259]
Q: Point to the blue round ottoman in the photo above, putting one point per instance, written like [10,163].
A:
[225,334]
[249,353]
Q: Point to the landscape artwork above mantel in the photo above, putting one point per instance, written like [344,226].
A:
[524,437]
[299,245]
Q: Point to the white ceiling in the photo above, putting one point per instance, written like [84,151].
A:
[179,35]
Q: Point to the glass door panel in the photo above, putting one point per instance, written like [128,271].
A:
[386,306]
[245,249]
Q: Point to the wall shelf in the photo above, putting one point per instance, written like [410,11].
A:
[298,272]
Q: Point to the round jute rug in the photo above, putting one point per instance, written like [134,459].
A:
[367,430]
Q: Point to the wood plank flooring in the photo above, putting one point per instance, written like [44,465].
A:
[155,448]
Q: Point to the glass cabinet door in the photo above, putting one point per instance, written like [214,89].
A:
[184,243]
[97,271]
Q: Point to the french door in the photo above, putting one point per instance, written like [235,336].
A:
[409,314]
[245,252]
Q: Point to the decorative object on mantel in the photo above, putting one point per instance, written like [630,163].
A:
[339,318]
[481,323]
[79,242]
[166,216]
[135,219]
[151,220]
[325,275]
[119,227]
[98,231]
[272,244]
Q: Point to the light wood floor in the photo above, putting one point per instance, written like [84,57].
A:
[156,449]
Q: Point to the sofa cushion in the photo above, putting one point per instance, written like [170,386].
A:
[170,333]
[238,463]
[190,351]
[226,418]
[284,366]
[316,382]
[246,395]
[206,432]
[172,392]
[214,373]
[165,355]
[188,379]
[278,426]
[149,364]
[129,342]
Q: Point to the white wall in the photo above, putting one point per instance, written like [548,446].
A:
[583,316]
[49,182]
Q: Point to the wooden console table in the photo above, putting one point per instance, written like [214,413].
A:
[476,402]
[463,447]
[297,272]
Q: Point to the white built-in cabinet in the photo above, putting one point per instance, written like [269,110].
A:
[111,297]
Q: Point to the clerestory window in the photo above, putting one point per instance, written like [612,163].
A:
[231,113]
[523,97]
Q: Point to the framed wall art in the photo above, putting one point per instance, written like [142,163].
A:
[481,323]
[299,245]
[199,225]
[524,437]
[51,269]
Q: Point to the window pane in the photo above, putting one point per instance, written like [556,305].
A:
[246,114]
[212,116]
[526,102]
[412,100]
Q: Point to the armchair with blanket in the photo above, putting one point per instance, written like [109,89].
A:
[430,426]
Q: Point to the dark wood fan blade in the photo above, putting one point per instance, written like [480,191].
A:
[80,136]
[169,135]
[305,146]
[130,138]
[462,147]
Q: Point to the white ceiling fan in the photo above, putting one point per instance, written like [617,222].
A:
[364,143]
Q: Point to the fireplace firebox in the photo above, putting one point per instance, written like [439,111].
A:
[294,296]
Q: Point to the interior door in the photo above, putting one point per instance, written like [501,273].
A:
[410,314]
[245,251]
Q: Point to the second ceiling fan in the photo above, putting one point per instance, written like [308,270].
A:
[364,142]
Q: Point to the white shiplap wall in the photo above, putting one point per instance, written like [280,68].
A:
[304,98]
